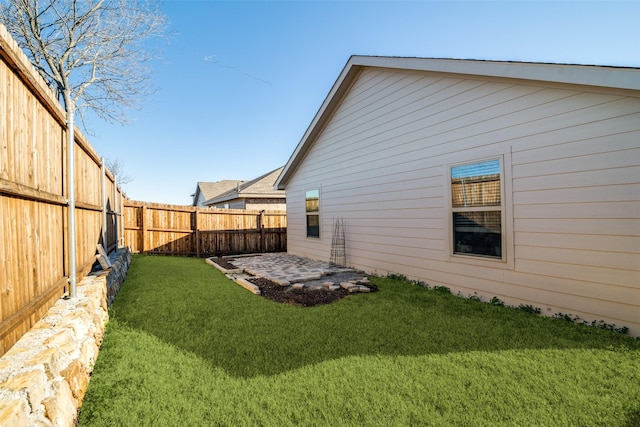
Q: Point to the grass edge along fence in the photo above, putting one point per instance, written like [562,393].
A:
[202,232]
[34,198]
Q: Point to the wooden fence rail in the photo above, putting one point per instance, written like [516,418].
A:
[34,193]
[202,232]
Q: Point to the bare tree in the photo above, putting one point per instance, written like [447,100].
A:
[92,52]
[117,168]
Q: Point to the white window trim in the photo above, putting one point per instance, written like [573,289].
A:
[313,238]
[507,235]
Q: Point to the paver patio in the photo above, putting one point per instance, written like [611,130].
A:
[284,268]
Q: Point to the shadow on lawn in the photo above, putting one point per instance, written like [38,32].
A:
[633,418]
[193,307]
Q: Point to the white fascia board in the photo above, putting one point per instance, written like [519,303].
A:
[590,75]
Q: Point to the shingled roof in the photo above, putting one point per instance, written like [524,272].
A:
[260,187]
[210,190]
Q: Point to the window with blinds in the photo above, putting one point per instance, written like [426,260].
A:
[476,205]
[312,208]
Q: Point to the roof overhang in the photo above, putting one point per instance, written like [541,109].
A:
[589,75]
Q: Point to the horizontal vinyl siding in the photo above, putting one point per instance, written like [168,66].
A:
[579,241]
[574,174]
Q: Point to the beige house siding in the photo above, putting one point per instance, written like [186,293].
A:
[254,204]
[267,204]
[571,170]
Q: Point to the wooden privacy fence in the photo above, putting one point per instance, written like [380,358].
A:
[34,238]
[202,232]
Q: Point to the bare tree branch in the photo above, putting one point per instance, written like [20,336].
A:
[92,50]
[117,168]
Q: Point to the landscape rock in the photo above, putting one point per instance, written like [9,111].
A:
[51,359]
[77,378]
[30,384]
[14,413]
[61,407]
[63,340]
[89,349]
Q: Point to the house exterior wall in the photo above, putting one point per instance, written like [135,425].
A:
[233,204]
[266,204]
[200,200]
[571,195]
[229,204]
[253,204]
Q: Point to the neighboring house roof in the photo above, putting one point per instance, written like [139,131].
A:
[260,187]
[210,190]
[590,75]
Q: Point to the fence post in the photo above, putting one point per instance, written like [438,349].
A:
[115,209]
[196,232]
[143,227]
[103,190]
[120,244]
[261,230]
[71,181]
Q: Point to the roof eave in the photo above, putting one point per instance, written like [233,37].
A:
[335,95]
[589,75]
[224,198]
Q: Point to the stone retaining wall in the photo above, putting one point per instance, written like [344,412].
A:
[120,262]
[44,376]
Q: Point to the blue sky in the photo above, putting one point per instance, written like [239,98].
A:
[239,82]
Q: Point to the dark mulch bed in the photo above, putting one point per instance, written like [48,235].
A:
[222,262]
[299,297]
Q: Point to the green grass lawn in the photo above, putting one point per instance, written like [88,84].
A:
[185,346]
